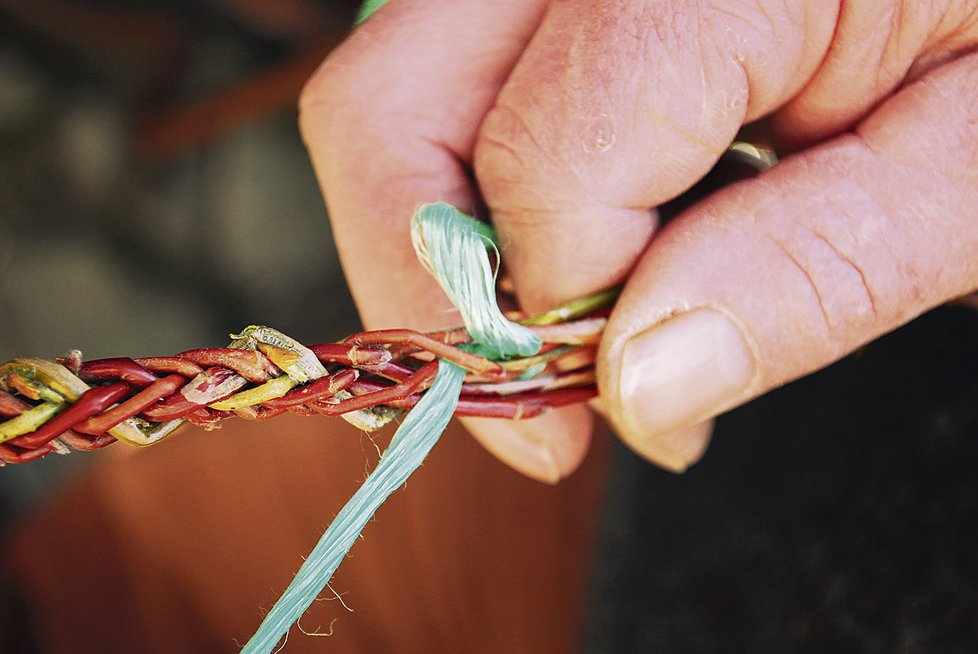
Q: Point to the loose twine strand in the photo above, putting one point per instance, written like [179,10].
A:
[410,446]
[452,247]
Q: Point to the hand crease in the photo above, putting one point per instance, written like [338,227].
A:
[851,263]
[808,277]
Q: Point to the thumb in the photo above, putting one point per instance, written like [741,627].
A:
[783,274]
[614,108]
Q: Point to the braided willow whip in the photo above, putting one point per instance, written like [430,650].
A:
[368,378]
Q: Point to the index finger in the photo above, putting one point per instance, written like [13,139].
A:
[390,120]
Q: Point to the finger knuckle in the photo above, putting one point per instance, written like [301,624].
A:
[511,160]
[332,97]
[833,270]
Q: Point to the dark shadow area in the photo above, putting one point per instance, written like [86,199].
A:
[838,514]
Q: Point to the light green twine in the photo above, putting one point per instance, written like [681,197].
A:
[368,8]
[453,247]
[414,439]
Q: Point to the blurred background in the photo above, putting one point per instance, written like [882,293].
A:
[154,191]
[155,195]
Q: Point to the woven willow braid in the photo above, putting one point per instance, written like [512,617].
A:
[369,379]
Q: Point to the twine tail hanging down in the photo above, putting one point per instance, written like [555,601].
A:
[452,247]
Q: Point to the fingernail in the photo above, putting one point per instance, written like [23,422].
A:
[677,450]
[683,371]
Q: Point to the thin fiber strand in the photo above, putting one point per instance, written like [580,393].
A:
[453,248]
[411,444]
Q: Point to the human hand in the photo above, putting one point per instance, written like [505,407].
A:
[580,117]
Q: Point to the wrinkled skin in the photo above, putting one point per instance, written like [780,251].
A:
[579,117]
